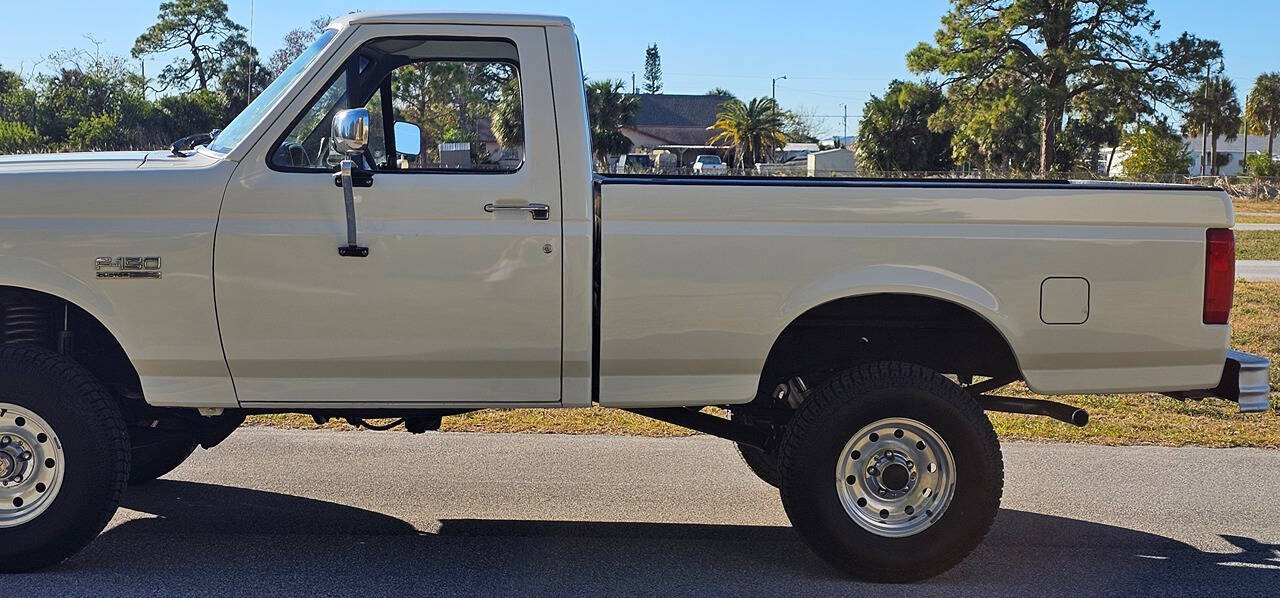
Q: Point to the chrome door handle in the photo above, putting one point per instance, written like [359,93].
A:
[540,211]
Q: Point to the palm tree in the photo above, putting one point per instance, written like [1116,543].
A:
[609,108]
[1264,108]
[507,117]
[1215,107]
[753,129]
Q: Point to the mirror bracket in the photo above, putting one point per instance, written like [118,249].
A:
[359,178]
[346,176]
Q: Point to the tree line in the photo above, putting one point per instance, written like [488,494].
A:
[1022,86]
[87,100]
[1042,85]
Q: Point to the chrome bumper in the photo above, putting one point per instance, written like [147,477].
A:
[1245,380]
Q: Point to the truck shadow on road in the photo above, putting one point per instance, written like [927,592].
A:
[232,540]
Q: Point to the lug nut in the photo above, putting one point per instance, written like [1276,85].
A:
[25,456]
[872,470]
[4,441]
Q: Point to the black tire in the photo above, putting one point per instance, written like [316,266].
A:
[88,424]
[155,453]
[814,443]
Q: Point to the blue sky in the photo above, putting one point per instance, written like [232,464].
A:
[832,52]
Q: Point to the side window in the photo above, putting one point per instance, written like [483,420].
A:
[454,105]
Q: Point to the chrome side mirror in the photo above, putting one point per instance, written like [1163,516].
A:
[408,139]
[350,132]
[350,136]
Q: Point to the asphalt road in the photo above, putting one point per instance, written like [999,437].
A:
[1264,270]
[319,513]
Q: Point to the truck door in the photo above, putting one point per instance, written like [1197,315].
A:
[458,301]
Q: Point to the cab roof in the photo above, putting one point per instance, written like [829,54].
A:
[451,18]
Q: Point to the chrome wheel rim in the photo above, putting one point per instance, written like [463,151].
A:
[895,477]
[31,465]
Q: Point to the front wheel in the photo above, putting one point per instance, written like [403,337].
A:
[64,458]
[891,472]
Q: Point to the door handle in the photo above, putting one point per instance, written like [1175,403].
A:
[539,211]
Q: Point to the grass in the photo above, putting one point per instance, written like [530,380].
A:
[1258,244]
[1257,205]
[1264,219]
[1115,419]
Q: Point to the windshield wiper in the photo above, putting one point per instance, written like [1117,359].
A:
[190,142]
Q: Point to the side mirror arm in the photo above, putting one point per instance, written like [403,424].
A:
[347,176]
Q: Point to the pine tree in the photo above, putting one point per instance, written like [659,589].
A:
[652,70]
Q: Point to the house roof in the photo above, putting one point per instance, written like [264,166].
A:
[677,119]
[675,110]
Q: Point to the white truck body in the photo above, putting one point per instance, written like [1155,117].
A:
[220,281]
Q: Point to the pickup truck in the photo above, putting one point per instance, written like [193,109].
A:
[406,225]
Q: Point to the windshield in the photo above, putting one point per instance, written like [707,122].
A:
[253,113]
[709,159]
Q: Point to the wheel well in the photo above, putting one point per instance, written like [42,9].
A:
[938,334]
[32,317]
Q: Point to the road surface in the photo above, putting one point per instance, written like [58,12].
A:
[275,512]
[1258,270]
[1256,226]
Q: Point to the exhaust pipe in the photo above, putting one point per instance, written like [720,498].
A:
[1059,411]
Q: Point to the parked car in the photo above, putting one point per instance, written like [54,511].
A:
[855,330]
[632,163]
[709,164]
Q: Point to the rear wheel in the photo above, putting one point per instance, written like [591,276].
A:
[64,458]
[891,472]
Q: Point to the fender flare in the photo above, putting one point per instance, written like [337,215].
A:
[925,281]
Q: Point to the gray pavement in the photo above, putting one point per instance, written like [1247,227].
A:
[276,512]
[1258,270]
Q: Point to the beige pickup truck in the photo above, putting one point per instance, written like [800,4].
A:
[350,247]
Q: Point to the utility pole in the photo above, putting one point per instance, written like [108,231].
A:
[774,88]
[1204,125]
[844,137]
[633,84]
[248,96]
[1245,161]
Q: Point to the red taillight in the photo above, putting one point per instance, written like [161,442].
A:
[1219,274]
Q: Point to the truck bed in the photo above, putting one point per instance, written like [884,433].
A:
[705,272]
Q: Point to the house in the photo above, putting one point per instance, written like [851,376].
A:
[833,162]
[677,123]
[1231,154]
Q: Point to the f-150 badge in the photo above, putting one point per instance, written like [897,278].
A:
[127,267]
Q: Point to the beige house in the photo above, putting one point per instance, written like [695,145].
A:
[676,123]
